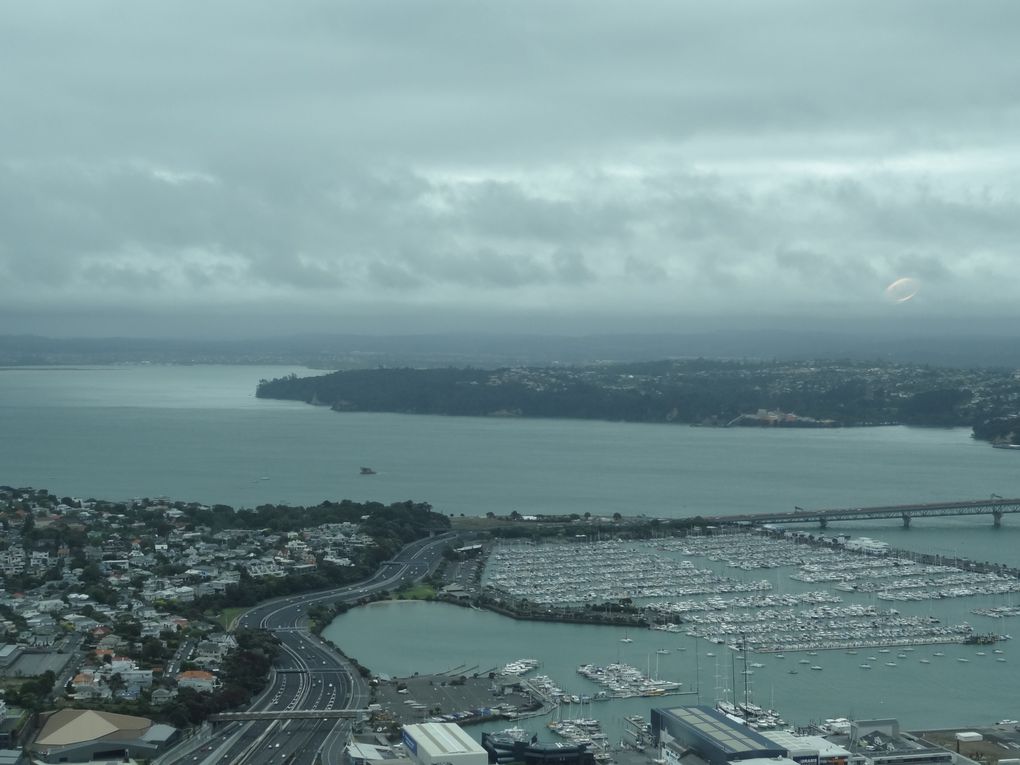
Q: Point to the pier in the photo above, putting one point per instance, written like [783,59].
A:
[995,506]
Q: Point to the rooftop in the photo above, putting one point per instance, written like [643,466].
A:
[443,739]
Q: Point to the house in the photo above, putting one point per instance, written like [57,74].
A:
[198,679]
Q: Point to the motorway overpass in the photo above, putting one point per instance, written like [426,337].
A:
[995,506]
[291,714]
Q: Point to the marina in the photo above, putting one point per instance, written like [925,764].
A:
[657,578]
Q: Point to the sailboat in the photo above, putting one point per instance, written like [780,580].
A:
[626,638]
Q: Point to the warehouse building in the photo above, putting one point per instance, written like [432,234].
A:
[711,736]
[83,735]
[434,743]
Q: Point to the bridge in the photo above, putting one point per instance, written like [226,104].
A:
[996,507]
[290,714]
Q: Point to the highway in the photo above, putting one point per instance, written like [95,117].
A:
[308,675]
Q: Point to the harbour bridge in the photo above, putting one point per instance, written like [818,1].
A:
[995,506]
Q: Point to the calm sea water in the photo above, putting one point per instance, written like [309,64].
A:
[198,433]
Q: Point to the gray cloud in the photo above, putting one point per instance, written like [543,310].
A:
[672,158]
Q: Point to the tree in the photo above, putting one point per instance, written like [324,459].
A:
[116,683]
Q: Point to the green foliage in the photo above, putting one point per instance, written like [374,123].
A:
[33,693]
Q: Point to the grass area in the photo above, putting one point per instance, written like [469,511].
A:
[417,592]
[229,614]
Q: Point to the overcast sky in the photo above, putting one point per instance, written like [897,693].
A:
[247,167]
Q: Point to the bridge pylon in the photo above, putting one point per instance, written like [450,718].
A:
[906,520]
[996,518]
[823,523]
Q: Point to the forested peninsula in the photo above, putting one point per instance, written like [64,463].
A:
[696,392]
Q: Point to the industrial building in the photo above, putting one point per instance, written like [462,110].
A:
[881,742]
[700,735]
[83,735]
[809,750]
[711,736]
[434,743]
[502,748]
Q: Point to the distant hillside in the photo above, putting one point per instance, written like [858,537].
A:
[697,392]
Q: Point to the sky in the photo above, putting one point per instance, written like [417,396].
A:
[248,167]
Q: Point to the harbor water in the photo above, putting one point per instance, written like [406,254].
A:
[198,433]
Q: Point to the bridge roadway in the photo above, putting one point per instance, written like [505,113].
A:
[995,507]
[291,714]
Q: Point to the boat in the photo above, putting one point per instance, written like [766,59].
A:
[816,667]
[939,653]
[926,661]
[962,660]
[367,471]
[662,651]
[792,672]
[865,666]
[890,664]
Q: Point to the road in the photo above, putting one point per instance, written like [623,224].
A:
[308,675]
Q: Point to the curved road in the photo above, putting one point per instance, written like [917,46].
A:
[308,675]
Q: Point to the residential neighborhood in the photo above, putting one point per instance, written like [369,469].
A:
[127,606]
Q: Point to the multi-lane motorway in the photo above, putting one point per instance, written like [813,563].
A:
[307,675]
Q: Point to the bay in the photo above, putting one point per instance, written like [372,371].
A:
[198,433]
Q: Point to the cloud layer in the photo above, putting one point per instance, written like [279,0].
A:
[379,162]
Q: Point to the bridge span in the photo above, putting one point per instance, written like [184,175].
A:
[996,507]
[291,714]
